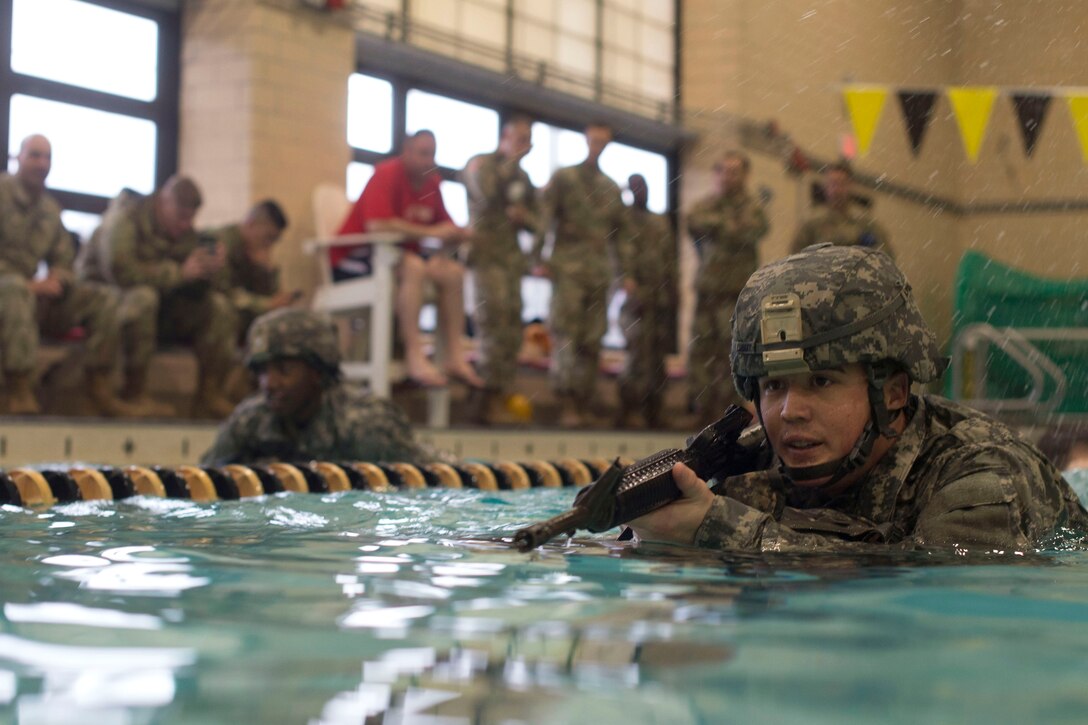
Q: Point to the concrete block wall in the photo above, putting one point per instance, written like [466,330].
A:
[264,113]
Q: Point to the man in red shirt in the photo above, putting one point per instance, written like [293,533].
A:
[403,196]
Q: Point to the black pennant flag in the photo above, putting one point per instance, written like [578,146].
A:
[917,110]
[1030,110]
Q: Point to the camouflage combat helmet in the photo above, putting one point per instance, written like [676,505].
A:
[293,333]
[825,307]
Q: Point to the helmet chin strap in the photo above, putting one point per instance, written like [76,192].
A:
[880,423]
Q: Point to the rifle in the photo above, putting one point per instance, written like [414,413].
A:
[723,448]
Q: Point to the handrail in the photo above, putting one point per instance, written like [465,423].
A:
[1014,343]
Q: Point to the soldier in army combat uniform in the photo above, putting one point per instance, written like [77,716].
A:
[648,317]
[840,222]
[30,233]
[248,278]
[726,229]
[304,411]
[148,248]
[826,344]
[585,211]
[501,204]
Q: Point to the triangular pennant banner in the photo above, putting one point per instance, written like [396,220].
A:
[972,106]
[1078,108]
[917,109]
[865,104]
[1031,111]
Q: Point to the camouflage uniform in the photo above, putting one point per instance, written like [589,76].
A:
[249,287]
[588,215]
[496,261]
[842,229]
[726,231]
[953,476]
[31,232]
[648,317]
[349,424]
[128,251]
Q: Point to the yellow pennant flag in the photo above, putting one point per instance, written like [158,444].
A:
[865,104]
[972,106]
[1078,107]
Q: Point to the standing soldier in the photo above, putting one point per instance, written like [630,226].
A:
[648,317]
[584,210]
[501,203]
[31,233]
[840,223]
[726,228]
[148,248]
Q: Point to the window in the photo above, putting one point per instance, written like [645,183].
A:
[98,78]
[357,176]
[80,223]
[122,155]
[455,198]
[72,42]
[370,113]
[461,129]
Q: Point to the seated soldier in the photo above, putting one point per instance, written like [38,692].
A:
[304,411]
[826,344]
[31,233]
[148,248]
[249,279]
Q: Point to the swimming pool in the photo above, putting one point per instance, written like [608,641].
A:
[408,607]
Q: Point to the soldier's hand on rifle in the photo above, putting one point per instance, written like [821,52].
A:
[676,523]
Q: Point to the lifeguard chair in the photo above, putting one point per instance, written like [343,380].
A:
[364,302]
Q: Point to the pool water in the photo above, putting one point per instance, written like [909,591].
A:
[411,608]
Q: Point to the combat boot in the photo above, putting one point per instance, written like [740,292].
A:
[21,400]
[100,392]
[210,402]
[135,396]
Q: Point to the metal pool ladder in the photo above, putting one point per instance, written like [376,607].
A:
[970,345]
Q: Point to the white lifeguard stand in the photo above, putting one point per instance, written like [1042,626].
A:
[373,292]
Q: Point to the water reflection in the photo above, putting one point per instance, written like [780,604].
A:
[331,615]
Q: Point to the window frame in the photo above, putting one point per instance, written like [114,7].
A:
[163,111]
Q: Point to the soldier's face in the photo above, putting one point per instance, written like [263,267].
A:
[837,187]
[517,140]
[259,235]
[35,161]
[817,417]
[291,388]
[730,175]
[597,139]
[174,219]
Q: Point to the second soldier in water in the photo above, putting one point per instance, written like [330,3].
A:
[304,410]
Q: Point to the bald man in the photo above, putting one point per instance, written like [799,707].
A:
[31,233]
[148,248]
